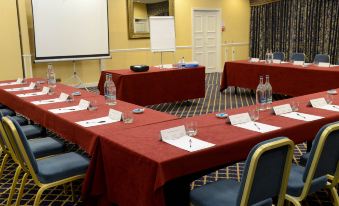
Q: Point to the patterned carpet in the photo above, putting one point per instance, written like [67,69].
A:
[213,102]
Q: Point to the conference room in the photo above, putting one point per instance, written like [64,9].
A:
[169,102]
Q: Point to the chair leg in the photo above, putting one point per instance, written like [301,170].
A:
[15,180]
[292,200]
[21,190]
[335,196]
[3,164]
[38,196]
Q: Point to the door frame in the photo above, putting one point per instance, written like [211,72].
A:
[219,43]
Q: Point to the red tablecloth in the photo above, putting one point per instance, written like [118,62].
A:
[64,124]
[284,78]
[133,167]
[157,85]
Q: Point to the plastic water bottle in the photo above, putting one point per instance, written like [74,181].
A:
[268,91]
[51,79]
[110,91]
[270,57]
[182,63]
[260,95]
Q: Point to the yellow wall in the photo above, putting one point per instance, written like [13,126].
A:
[140,10]
[235,17]
[10,53]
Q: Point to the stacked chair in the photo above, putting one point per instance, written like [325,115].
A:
[321,58]
[279,56]
[298,57]
[42,158]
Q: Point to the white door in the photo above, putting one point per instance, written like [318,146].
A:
[207,39]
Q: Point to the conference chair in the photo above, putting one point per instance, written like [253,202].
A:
[279,56]
[31,131]
[8,112]
[41,147]
[298,57]
[46,172]
[322,163]
[321,58]
[268,162]
[2,106]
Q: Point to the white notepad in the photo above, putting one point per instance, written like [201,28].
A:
[330,107]
[257,127]
[97,122]
[83,105]
[301,116]
[177,137]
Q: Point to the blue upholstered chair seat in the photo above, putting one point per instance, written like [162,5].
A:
[304,158]
[61,166]
[21,120]
[42,147]
[296,183]
[7,112]
[220,193]
[33,131]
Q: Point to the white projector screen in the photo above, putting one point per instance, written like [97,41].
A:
[70,30]
[162,33]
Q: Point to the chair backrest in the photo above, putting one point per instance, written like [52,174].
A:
[279,56]
[20,146]
[324,154]
[5,142]
[321,58]
[268,162]
[298,57]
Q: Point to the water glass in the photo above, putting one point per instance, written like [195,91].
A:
[127,117]
[329,99]
[93,106]
[295,106]
[191,128]
[254,114]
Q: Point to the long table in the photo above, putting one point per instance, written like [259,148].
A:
[131,166]
[285,78]
[155,173]
[157,85]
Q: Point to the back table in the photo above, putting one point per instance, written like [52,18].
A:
[285,78]
[157,85]
[131,166]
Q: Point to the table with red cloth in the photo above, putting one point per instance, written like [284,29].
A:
[285,78]
[64,124]
[135,168]
[157,85]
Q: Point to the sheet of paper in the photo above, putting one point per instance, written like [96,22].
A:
[239,118]
[276,61]
[66,109]
[114,115]
[254,60]
[47,101]
[18,89]
[334,65]
[97,121]
[282,109]
[165,66]
[301,116]
[330,107]
[319,102]
[177,137]
[298,63]
[324,64]
[31,94]
[63,97]
[257,127]
[9,84]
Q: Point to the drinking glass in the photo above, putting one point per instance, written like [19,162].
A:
[329,99]
[295,106]
[254,114]
[191,128]
[93,105]
[127,117]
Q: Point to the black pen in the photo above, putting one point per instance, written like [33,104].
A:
[256,126]
[301,115]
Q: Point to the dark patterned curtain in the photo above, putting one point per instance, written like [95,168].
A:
[306,26]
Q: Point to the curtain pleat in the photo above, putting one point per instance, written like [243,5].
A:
[306,26]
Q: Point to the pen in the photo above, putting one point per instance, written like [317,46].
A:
[190,141]
[301,115]
[256,126]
